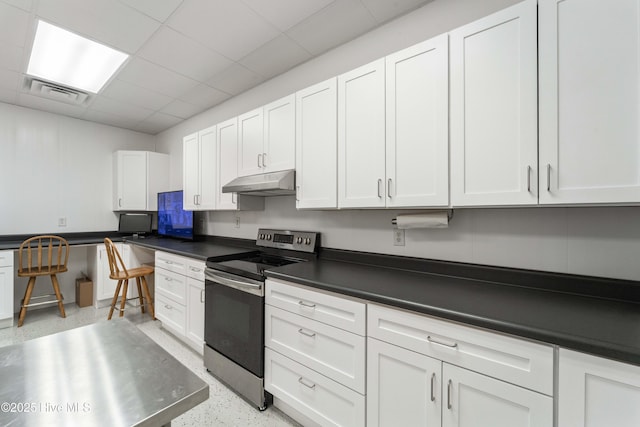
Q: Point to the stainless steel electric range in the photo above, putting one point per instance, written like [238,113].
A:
[234,308]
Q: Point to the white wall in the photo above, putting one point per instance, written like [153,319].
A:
[594,241]
[53,166]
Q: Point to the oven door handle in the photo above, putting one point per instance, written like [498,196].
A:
[252,287]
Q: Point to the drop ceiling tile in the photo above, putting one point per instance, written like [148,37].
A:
[11,57]
[284,14]
[117,108]
[8,96]
[204,96]
[228,27]
[157,123]
[336,24]
[137,95]
[183,55]
[154,77]
[158,10]
[384,10]
[181,109]
[110,119]
[107,21]
[235,79]
[44,104]
[14,24]
[22,4]
[10,79]
[275,57]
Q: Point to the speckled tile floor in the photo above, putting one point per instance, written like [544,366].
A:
[223,408]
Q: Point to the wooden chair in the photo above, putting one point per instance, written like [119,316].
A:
[31,264]
[119,272]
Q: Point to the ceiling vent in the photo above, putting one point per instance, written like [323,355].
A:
[56,92]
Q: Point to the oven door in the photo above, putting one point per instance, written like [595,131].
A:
[234,319]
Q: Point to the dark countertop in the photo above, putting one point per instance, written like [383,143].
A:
[604,327]
[193,249]
[89,238]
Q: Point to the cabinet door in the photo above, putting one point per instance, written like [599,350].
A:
[474,400]
[589,101]
[361,137]
[280,135]
[195,313]
[6,292]
[250,142]
[207,169]
[417,142]
[190,171]
[131,180]
[494,109]
[317,146]
[597,392]
[227,162]
[403,387]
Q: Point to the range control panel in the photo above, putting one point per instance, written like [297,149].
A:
[304,241]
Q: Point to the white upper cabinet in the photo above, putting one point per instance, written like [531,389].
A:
[266,141]
[589,97]
[227,165]
[494,109]
[361,137]
[138,177]
[199,170]
[417,119]
[317,146]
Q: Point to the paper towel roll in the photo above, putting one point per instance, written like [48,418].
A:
[439,219]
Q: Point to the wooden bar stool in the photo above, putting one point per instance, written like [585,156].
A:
[33,265]
[119,272]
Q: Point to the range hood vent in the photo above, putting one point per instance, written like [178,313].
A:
[55,92]
[266,184]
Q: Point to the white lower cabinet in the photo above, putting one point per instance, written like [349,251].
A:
[597,392]
[179,297]
[6,289]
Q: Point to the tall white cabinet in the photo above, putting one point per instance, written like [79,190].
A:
[227,162]
[589,101]
[138,177]
[199,162]
[6,289]
[494,108]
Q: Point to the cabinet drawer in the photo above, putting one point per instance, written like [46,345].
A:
[171,314]
[333,352]
[171,285]
[6,258]
[516,361]
[312,394]
[195,269]
[333,310]
[171,262]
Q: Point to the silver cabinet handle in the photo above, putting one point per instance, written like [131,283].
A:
[528,179]
[168,279]
[264,160]
[168,307]
[444,344]
[120,202]
[389,188]
[548,177]
[306,383]
[259,160]
[379,190]
[433,380]
[234,198]
[195,269]
[297,193]
[307,333]
[449,387]
[202,295]
[304,304]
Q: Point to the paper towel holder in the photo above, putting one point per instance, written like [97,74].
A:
[449,216]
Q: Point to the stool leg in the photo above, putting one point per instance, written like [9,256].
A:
[148,296]
[124,297]
[25,301]
[140,294]
[115,299]
[56,289]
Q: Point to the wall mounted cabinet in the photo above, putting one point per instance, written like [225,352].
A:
[199,161]
[494,109]
[138,177]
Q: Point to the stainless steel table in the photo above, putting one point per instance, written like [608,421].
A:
[108,373]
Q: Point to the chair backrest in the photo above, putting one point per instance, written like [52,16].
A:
[116,265]
[30,254]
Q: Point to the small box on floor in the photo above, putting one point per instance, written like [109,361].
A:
[84,292]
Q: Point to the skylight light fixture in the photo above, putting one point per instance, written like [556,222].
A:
[66,58]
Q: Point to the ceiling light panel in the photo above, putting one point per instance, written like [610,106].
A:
[64,57]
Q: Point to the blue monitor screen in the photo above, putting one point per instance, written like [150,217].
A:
[174,221]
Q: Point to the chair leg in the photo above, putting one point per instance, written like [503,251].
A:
[25,301]
[115,299]
[140,297]
[123,299]
[148,296]
[56,289]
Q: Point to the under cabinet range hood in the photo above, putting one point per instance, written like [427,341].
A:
[280,183]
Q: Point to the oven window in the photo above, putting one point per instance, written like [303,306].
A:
[234,325]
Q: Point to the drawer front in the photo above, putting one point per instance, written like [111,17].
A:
[333,352]
[171,262]
[312,394]
[6,258]
[195,269]
[171,314]
[333,310]
[171,285]
[516,361]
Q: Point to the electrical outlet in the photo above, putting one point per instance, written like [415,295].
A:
[62,221]
[398,237]
[237,222]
